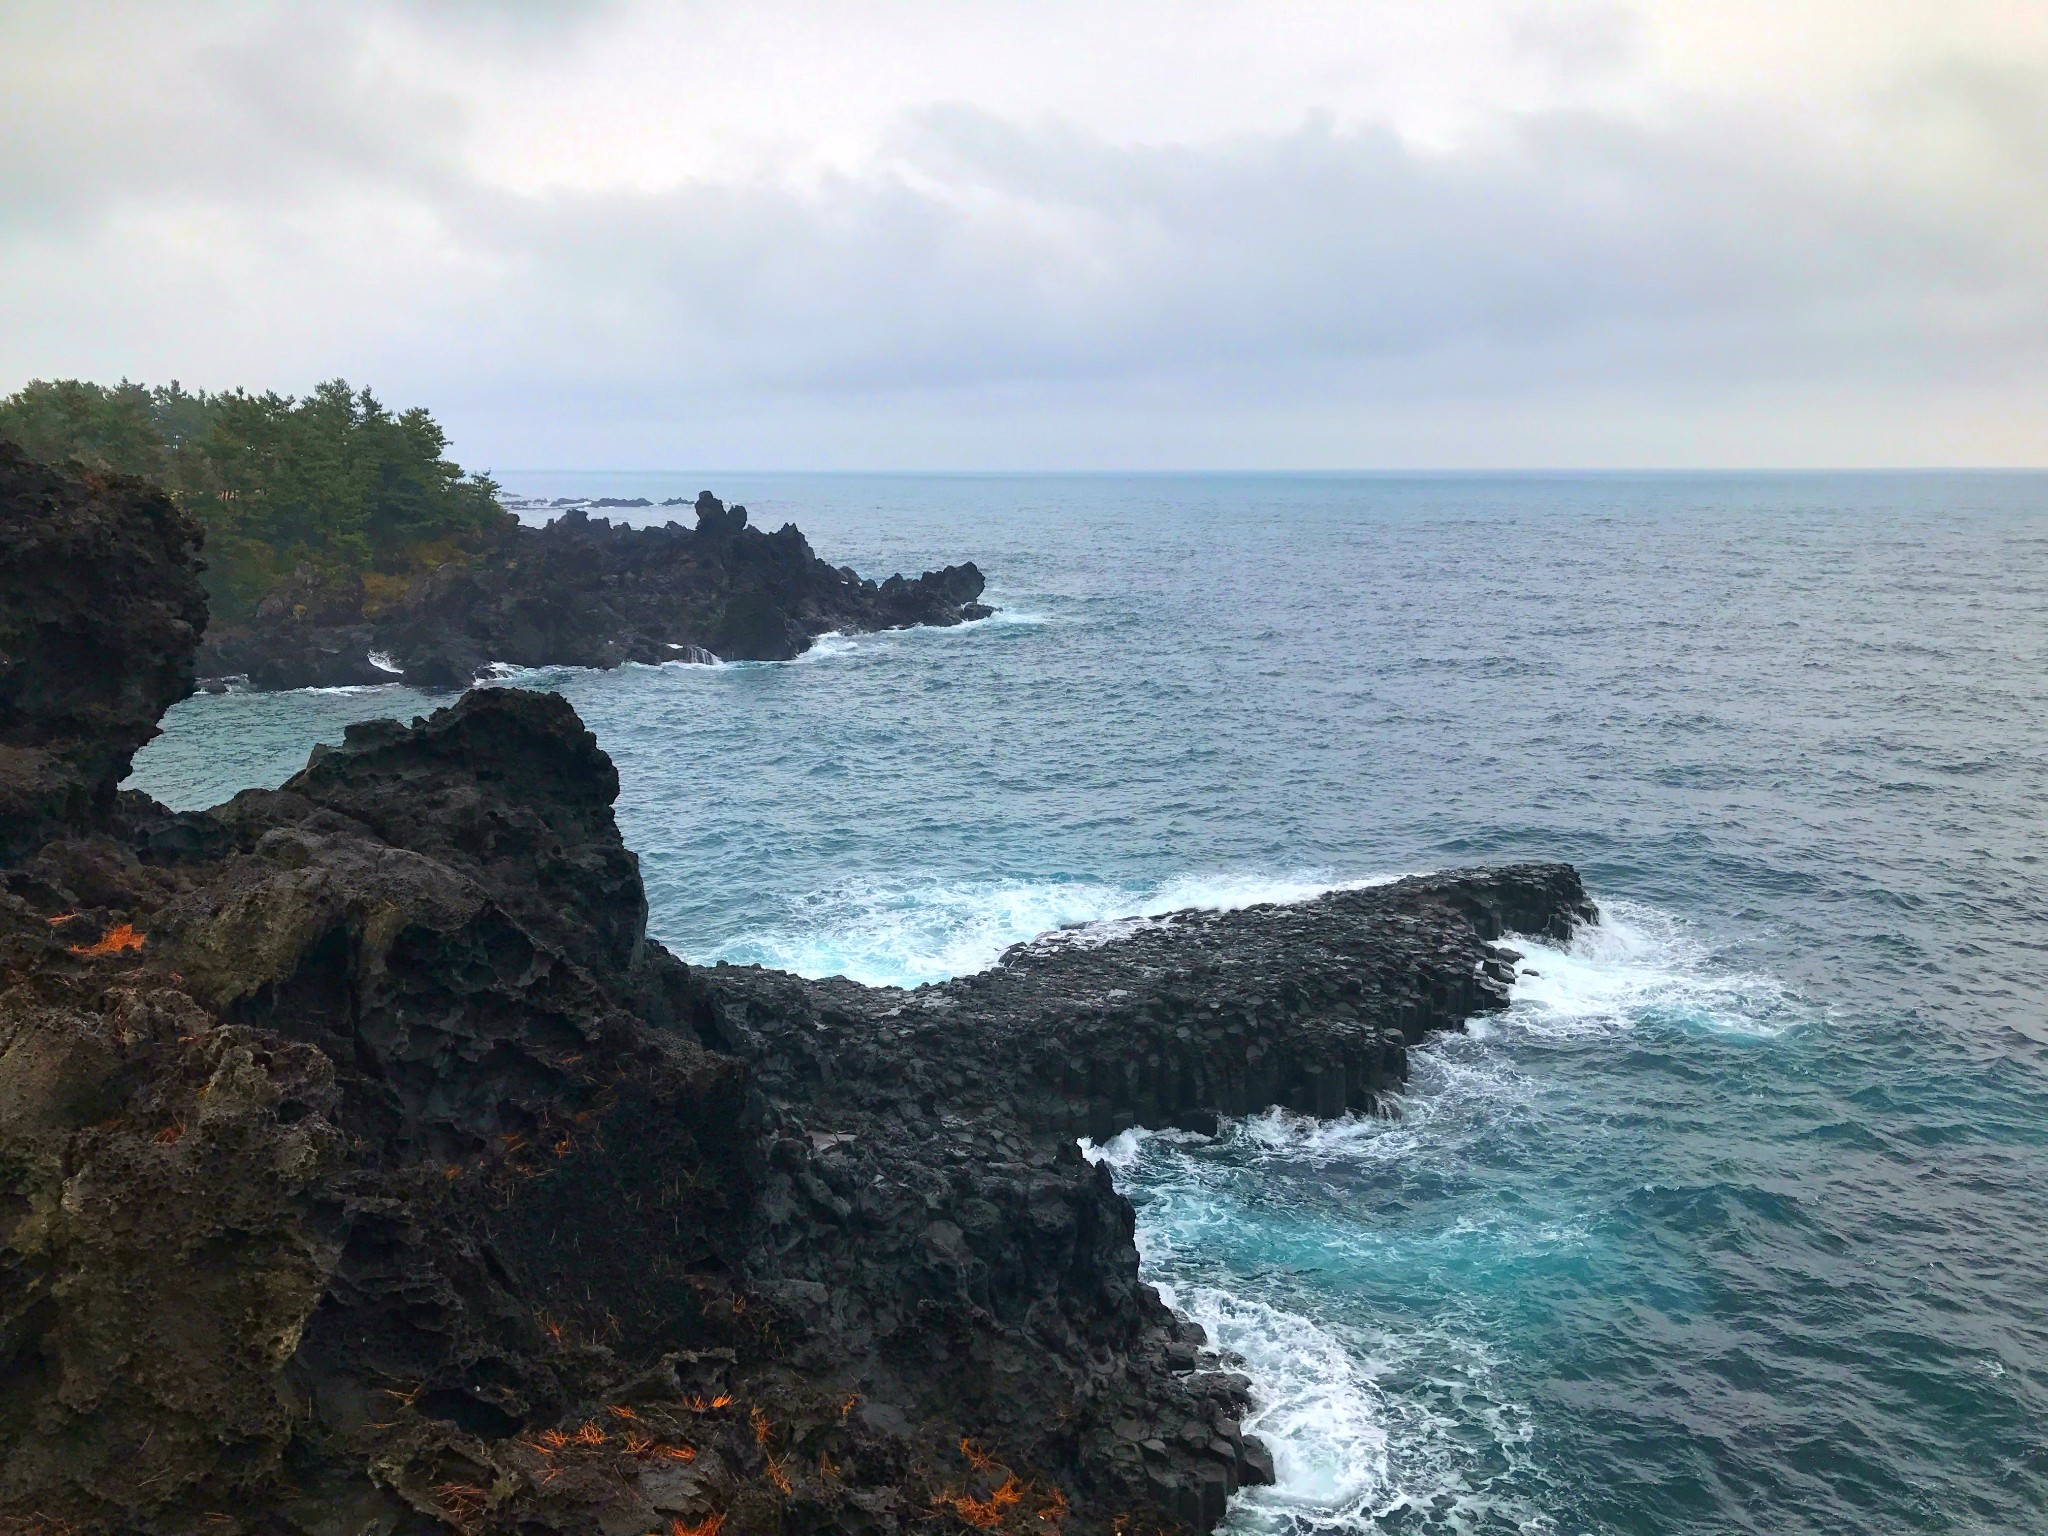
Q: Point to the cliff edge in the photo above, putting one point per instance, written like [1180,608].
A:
[364,1167]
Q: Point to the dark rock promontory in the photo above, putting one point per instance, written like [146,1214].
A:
[582,592]
[99,612]
[364,1167]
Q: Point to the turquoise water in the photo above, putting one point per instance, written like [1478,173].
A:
[1738,1219]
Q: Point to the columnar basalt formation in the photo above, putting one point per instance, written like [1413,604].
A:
[364,1167]
[582,592]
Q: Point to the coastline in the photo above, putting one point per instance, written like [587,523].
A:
[398,1024]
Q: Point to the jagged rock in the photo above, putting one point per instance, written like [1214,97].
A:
[365,1167]
[100,606]
[583,592]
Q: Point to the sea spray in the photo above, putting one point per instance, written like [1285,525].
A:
[905,933]
[1402,1417]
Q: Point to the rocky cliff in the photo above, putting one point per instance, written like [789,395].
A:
[365,1168]
[582,592]
[99,613]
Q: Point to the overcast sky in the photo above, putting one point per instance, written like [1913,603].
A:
[1115,233]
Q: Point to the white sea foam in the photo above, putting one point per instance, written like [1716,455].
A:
[1318,1409]
[1120,1151]
[826,646]
[1365,1424]
[1004,618]
[836,643]
[1637,965]
[1360,1424]
[905,934]
[497,672]
[1370,1429]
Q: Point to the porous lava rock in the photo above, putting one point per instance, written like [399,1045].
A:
[584,592]
[100,606]
[364,1167]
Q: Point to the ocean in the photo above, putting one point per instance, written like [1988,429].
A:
[1737,1219]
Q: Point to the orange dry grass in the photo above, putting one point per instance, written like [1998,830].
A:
[119,940]
[710,1525]
[984,1514]
[462,1502]
[977,1458]
[646,1448]
[1004,1508]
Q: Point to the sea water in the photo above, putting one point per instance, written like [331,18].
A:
[1737,1219]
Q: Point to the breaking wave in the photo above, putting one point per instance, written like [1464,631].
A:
[904,934]
[1379,1387]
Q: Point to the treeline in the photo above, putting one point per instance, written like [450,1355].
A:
[334,479]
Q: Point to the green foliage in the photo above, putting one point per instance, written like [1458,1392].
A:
[334,480]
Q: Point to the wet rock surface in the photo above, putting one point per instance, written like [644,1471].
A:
[582,592]
[365,1168]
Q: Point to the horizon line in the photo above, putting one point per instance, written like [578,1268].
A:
[1412,471]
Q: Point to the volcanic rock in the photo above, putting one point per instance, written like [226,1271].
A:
[364,1167]
[583,592]
[100,606]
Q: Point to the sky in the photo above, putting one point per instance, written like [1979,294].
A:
[1111,234]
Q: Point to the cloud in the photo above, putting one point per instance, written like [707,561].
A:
[107,107]
[1590,274]
[983,253]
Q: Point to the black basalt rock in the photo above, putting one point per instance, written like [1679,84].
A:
[100,607]
[715,520]
[582,592]
[364,1166]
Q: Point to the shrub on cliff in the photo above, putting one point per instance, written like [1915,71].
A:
[335,479]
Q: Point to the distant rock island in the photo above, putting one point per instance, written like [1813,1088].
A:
[579,591]
[366,1168]
[344,547]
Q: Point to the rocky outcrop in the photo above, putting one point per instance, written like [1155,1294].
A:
[1182,1019]
[364,1167]
[583,592]
[100,607]
[963,1102]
